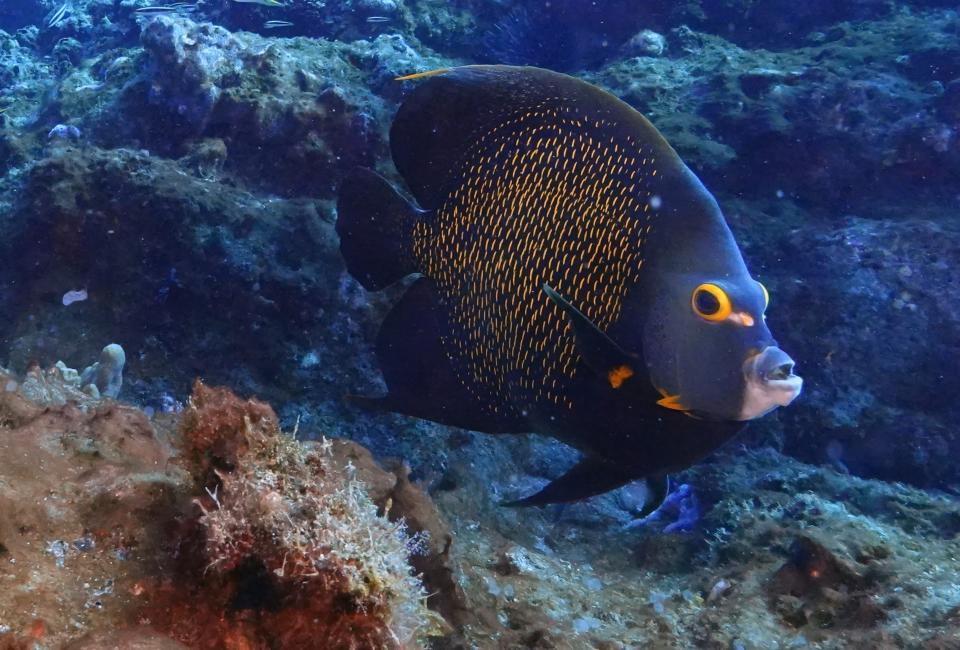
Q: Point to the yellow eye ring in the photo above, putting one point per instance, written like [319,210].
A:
[711,303]
[766,295]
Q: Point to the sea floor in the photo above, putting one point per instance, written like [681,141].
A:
[777,553]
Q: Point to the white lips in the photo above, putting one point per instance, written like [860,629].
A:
[763,395]
[791,386]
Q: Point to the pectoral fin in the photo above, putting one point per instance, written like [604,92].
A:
[601,353]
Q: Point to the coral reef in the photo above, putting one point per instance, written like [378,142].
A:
[252,535]
[842,124]
[133,231]
[86,495]
[290,125]
[293,117]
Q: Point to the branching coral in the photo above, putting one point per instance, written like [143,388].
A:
[293,547]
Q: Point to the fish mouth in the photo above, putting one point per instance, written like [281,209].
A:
[770,382]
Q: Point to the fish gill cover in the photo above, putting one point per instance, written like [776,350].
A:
[169,176]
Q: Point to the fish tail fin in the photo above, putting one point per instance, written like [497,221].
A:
[375,224]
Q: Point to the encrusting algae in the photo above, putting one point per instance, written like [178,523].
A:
[287,532]
[241,538]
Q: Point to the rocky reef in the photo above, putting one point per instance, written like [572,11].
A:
[169,164]
[211,529]
[167,182]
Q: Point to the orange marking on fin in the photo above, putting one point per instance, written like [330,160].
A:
[618,375]
[419,75]
[671,402]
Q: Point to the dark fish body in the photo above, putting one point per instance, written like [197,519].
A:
[552,212]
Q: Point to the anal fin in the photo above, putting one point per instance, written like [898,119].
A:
[418,373]
[589,477]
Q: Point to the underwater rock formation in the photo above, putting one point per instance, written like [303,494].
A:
[289,533]
[294,117]
[118,542]
[278,110]
[856,283]
[839,124]
[815,586]
[85,497]
[245,535]
[786,555]
[827,130]
[134,230]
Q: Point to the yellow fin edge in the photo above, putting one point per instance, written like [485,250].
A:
[671,402]
[418,75]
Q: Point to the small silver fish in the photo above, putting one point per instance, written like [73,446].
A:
[265,3]
[378,19]
[155,11]
[58,16]
[276,24]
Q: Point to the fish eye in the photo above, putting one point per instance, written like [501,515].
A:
[711,303]
[766,296]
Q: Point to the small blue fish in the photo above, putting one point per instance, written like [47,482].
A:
[277,24]
[378,19]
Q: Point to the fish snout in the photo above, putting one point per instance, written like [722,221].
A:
[773,364]
[770,382]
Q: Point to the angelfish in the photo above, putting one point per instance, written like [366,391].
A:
[576,279]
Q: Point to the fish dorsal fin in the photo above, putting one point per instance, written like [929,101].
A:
[452,109]
[601,353]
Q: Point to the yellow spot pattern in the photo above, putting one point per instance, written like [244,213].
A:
[548,196]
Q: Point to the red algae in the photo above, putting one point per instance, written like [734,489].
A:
[293,550]
[211,530]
